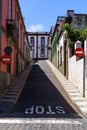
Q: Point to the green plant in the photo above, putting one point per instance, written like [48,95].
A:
[74,34]
[70,45]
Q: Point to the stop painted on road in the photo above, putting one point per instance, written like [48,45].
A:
[41,110]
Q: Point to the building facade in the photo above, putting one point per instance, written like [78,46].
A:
[12,41]
[69,65]
[54,39]
[49,43]
[26,51]
[39,41]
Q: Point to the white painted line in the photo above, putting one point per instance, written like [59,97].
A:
[41,110]
[49,121]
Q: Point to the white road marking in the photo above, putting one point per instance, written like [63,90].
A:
[46,121]
[47,110]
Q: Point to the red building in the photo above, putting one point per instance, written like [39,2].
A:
[12,35]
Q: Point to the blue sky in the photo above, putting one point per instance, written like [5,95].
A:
[40,15]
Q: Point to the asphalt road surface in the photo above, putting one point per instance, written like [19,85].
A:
[40,96]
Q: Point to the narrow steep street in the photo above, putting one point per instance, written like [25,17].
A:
[43,65]
[42,105]
[40,96]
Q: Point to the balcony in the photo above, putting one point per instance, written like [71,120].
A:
[12,30]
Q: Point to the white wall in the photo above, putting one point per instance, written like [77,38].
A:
[33,48]
[76,72]
[60,44]
[75,68]
[39,45]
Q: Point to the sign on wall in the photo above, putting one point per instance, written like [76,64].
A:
[6,59]
[79,52]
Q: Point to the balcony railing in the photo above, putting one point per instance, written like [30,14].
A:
[12,30]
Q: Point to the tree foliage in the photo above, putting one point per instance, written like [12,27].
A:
[74,34]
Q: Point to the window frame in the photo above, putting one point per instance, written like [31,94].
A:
[32,40]
[42,41]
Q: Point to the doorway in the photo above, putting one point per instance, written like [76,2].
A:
[65,59]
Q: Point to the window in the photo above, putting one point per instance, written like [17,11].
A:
[9,9]
[17,20]
[42,42]
[47,40]
[42,53]
[32,41]
[21,36]
[33,53]
[71,49]
[60,56]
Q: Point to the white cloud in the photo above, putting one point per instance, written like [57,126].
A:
[36,28]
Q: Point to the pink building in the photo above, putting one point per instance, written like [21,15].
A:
[12,36]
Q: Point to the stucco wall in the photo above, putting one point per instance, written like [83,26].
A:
[76,72]
[61,44]
[5,80]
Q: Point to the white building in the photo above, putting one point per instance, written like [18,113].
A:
[71,66]
[39,41]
